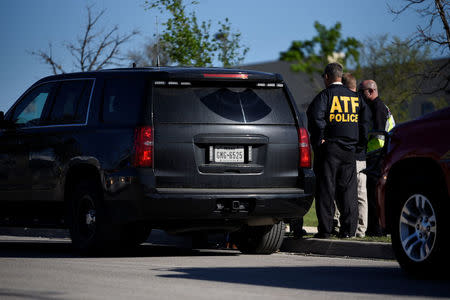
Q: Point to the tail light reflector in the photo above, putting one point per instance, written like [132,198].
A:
[143,147]
[304,148]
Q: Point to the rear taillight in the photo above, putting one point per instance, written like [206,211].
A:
[143,147]
[304,148]
[227,76]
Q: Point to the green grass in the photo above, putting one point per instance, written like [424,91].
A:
[310,220]
[380,239]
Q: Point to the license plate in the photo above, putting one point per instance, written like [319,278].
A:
[229,154]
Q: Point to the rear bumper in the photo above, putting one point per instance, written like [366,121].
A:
[224,203]
[168,206]
[134,201]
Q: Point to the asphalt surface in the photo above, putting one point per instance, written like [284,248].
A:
[44,268]
[327,247]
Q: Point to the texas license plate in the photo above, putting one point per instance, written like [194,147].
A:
[229,154]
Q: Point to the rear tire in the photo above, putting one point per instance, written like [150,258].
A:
[260,239]
[419,230]
[89,229]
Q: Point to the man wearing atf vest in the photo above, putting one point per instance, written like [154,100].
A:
[382,120]
[337,121]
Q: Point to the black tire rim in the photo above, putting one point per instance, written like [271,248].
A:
[417,227]
[87,217]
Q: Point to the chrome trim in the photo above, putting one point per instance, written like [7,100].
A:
[248,192]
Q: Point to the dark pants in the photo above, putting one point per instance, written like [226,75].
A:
[336,181]
[373,224]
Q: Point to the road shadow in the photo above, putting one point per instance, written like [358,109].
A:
[367,280]
[64,249]
[25,294]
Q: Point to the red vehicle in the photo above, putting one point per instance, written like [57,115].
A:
[413,192]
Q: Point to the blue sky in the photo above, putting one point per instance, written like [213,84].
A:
[267,27]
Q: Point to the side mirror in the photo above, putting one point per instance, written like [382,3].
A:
[5,124]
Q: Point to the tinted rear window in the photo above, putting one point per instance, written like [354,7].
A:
[222,105]
[122,101]
[71,102]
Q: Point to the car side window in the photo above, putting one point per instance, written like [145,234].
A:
[29,110]
[122,100]
[71,102]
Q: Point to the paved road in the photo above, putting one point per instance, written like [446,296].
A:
[47,269]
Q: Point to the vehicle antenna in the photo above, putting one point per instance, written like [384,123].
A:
[157,43]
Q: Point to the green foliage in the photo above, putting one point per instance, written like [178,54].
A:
[397,67]
[439,102]
[311,56]
[185,41]
[230,52]
[189,42]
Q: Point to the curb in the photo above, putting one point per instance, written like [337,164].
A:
[330,247]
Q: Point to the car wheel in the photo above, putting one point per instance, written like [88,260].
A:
[260,239]
[418,230]
[87,219]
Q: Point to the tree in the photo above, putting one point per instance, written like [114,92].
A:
[311,56]
[433,11]
[436,14]
[94,50]
[396,66]
[150,55]
[231,53]
[190,43]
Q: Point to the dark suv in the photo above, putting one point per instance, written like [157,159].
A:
[114,153]
[414,193]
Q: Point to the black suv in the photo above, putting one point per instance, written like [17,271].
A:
[111,154]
